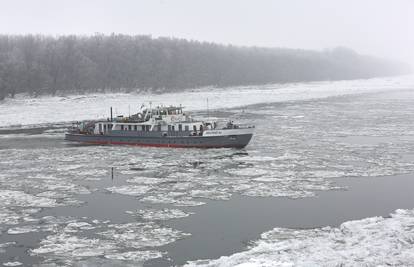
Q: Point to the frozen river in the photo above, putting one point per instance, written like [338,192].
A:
[324,154]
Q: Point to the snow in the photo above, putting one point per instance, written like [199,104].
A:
[375,241]
[28,111]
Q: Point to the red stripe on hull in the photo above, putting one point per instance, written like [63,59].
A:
[153,145]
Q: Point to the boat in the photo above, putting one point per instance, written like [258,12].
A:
[162,126]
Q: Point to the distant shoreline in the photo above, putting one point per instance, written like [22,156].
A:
[149,91]
[46,65]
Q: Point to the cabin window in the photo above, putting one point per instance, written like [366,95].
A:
[180,127]
[194,128]
[129,127]
[122,127]
[173,128]
[135,128]
[187,128]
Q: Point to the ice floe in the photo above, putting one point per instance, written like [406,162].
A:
[63,245]
[13,263]
[160,214]
[141,235]
[300,148]
[37,110]
[130,190]
[170,198]
[18,198]
[136,256]
[146,180]
[373,241]
[68,242]
[6,245]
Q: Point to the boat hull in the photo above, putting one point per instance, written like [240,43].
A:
[236,141]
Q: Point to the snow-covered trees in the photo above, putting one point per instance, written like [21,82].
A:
[44,65]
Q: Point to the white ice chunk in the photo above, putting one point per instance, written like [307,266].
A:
[137,256]
[74,227]
[373,241]
[18,198]
[164,214]
[130,190]
[65,245]
[5,245]
[145,180]
[22,230]
[140,235]
[12,263]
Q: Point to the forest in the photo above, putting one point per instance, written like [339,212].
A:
[40,64]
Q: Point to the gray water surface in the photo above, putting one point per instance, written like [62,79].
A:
[310,164]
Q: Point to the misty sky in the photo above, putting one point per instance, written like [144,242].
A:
[377,27]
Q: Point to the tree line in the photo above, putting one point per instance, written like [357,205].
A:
[39,64]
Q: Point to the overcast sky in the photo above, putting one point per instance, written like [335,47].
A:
[377,27]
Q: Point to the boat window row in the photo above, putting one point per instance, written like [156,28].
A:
[171,128]
[144,128]
[104,127]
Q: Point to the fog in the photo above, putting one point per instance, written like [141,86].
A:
[375,27]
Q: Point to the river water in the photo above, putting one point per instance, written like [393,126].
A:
[323,154]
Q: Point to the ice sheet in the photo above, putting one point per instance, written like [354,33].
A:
[373,241]
[69,243]
[159,214]
[299,148]
[74,108]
